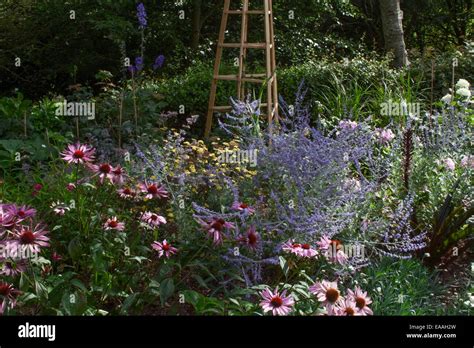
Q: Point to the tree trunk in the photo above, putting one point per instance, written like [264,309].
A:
[197,5]
[393,31]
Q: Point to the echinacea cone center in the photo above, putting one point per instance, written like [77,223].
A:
[360,302]
[218,225]
[105,168]
[152,189]
[252,238]
[4,289]
[78,154]
[332,295]
[27,237]
[276,302]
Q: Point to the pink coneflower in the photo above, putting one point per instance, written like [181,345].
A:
[467,161]
[153,190]
[361,300]
[215,228]
[33,239]
[9,249]
[346,307]
[300,250]
[278,304]
[8,296]
[385,136]
[339,257]
[242,207]
[118,175]
[250,239]
[78,154]
[71,187]
[292,247]
[332,250]
[327,293]
[348,125]
[113,224]
[127,193]
[6,219]
[164,249]
[103,170]
[324,243]
[153,220]
[56,257]
[307,251]
[335,252]
[21,213]
[12,268]
[59,208]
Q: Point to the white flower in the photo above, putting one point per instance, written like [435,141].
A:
[447,99]
[352,185]
[463,84]
[464,92]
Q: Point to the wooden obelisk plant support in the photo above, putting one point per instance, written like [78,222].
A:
[269,78]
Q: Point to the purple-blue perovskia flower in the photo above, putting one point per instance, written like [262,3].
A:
[141,15]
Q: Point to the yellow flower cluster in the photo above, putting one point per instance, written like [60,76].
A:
[194,158]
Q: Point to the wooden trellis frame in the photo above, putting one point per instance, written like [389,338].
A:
[242,77]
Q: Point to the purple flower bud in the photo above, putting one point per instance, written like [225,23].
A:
[134,69]
[139,63]
[141,15]
[159,61]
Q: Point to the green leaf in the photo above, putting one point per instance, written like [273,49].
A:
[41,290]
[234,301]
[166,289]
[139,259]
[28,297]
[129,301]
[73,303]
[74,248]
[24,284]
[191,297]
[77,283]
[200,281]
[165,270]
[284,266]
